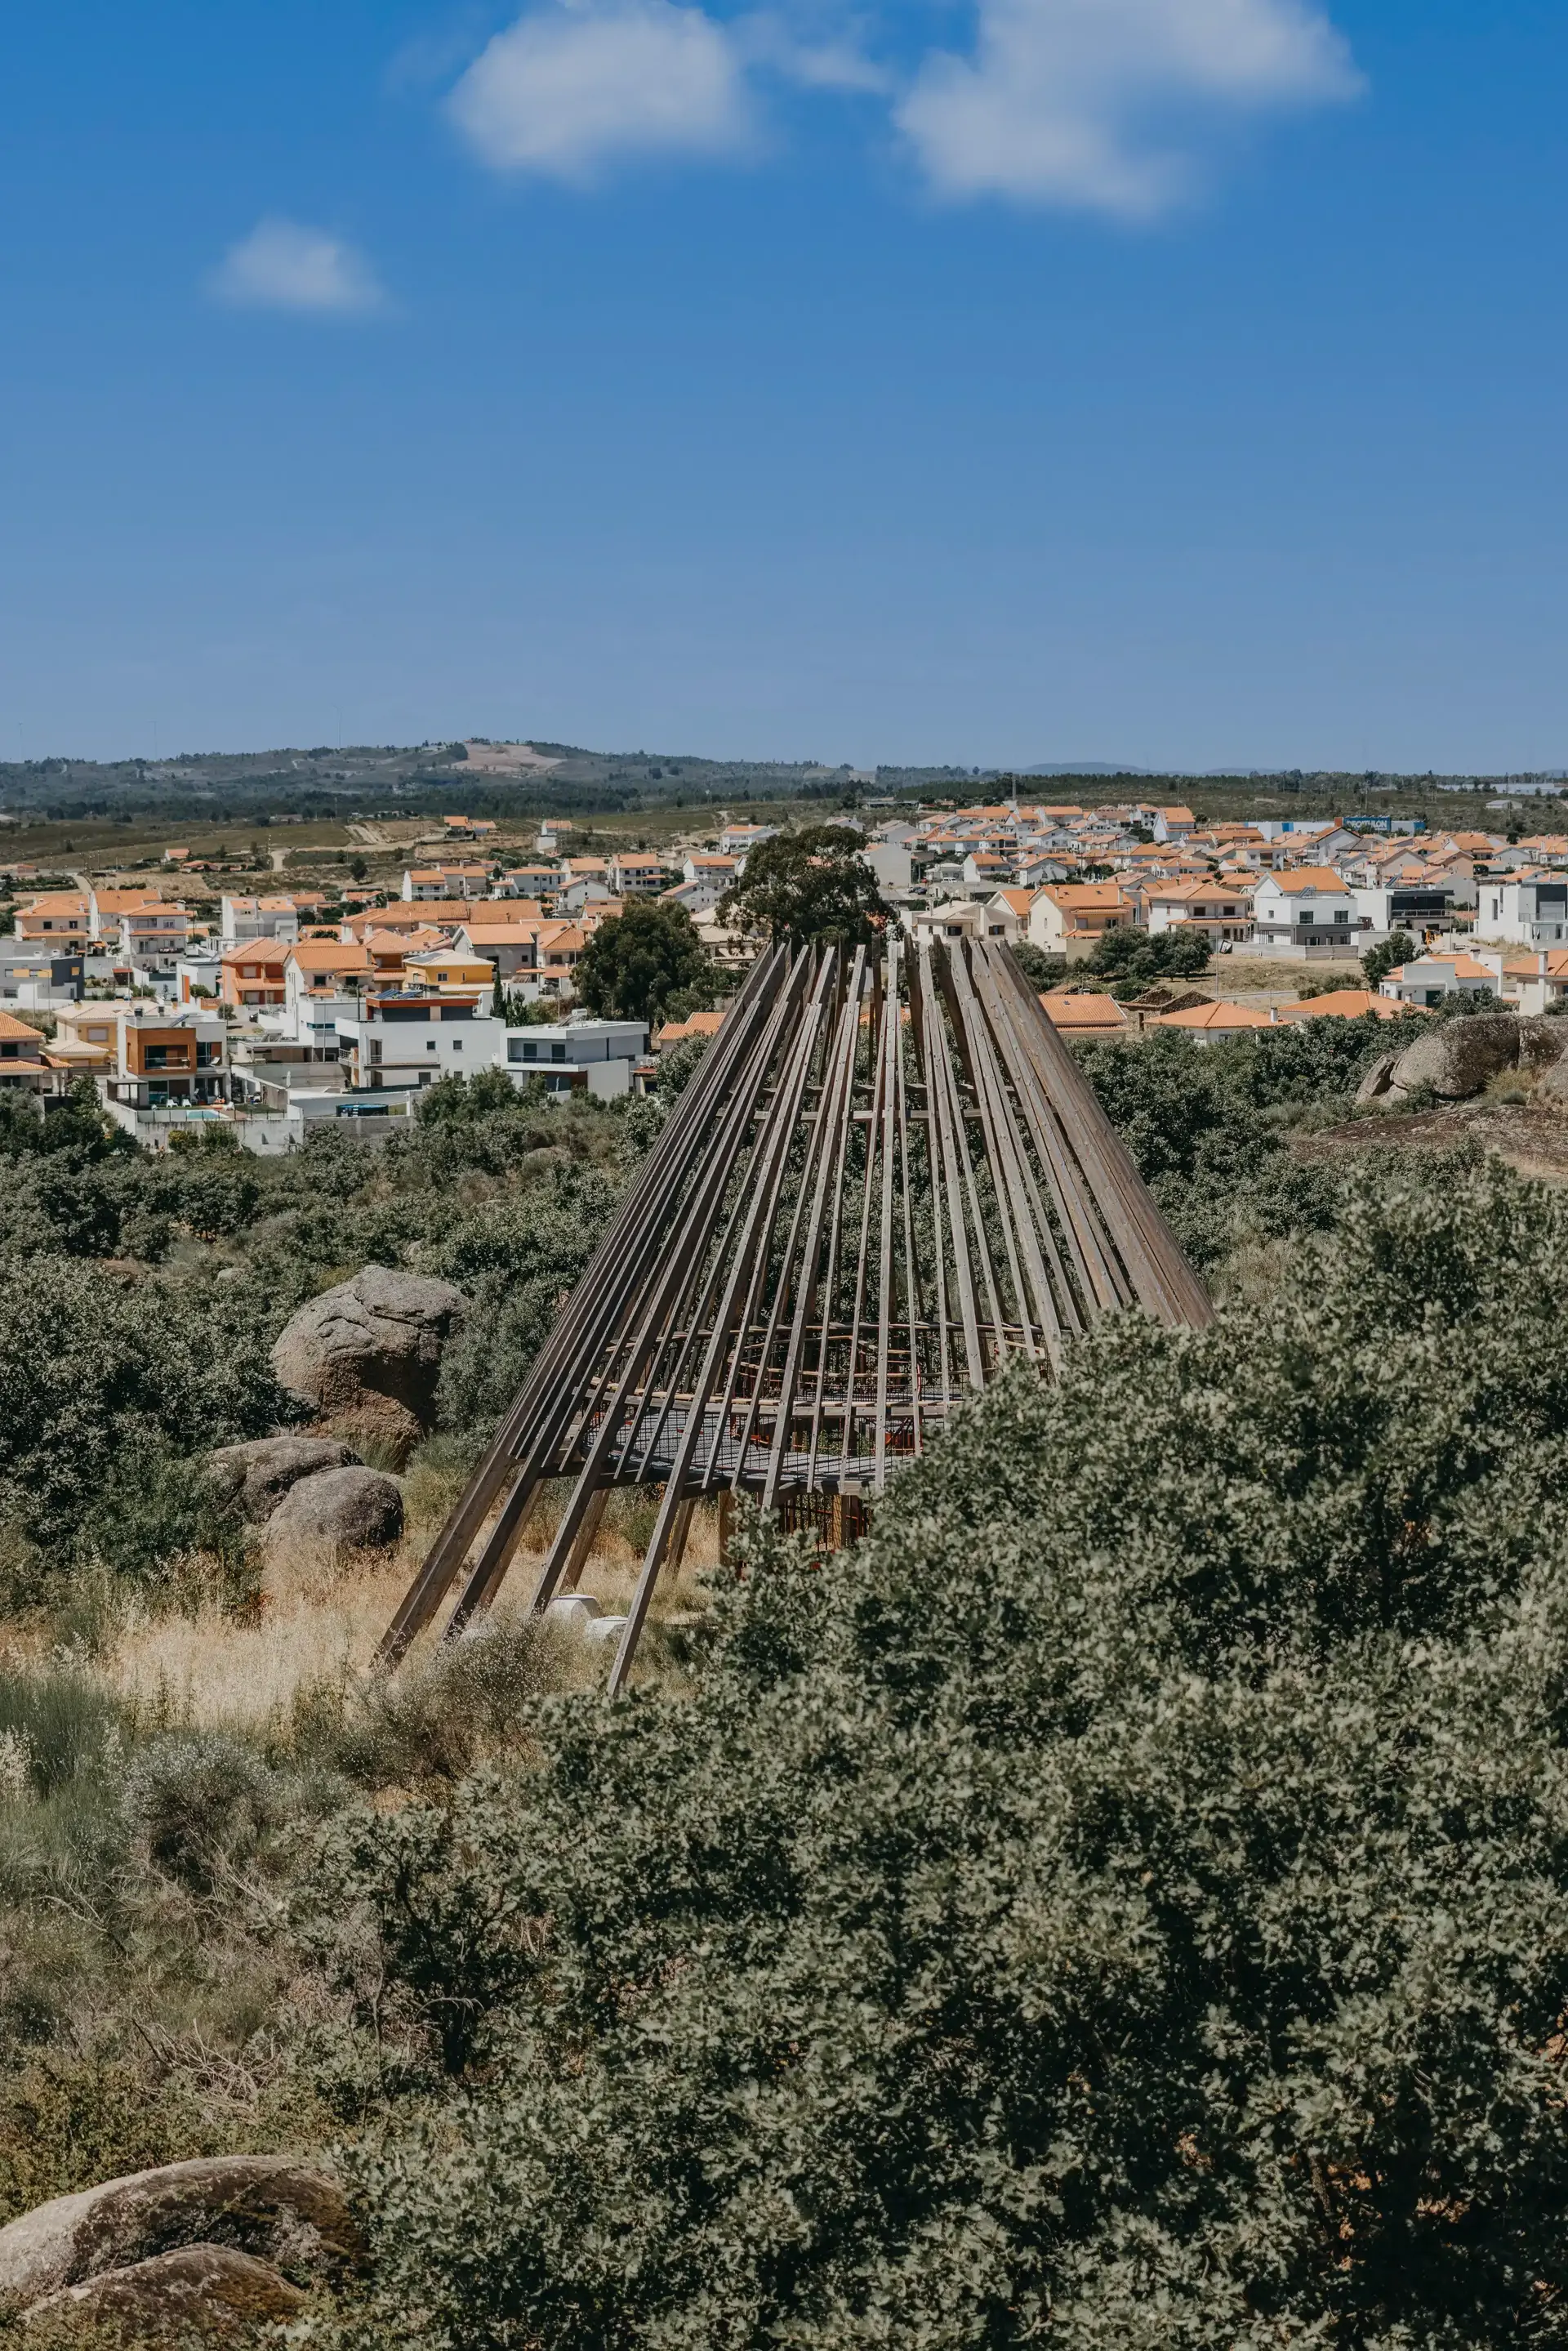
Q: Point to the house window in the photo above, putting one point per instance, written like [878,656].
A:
[558,1052]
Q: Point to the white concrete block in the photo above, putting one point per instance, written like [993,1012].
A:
[572,1610]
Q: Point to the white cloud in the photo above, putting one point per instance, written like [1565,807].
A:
[1074,101]
[832,64]
[579,83]
[282,265]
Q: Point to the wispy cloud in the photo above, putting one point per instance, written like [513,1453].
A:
[1102,104]
[579,84]
[837,61]
[283,266]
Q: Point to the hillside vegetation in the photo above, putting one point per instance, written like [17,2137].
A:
[1124,1899]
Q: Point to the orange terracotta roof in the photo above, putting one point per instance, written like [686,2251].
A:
[1343,1004]
[1210,1017]
[1085,1012]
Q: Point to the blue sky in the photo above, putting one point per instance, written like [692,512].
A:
[1168,381]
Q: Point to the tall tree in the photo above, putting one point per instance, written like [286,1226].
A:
[634,963]
[809,884]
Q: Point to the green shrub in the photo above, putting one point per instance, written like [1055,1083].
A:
[198,1805]
[1124,1903]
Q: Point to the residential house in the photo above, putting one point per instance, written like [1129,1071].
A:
[431,916]
[738,839]
[1527,910]
[447,970]
[1005,914]
[22,1065]
[402,1039]
[1084,1015]
[1341,1004]
[1070,918]
[1308,912]
[58,916]
[676,1032]
[1207,1024]
[637,877]
[706,881]
[240,920]
[146,1056]
[425,882]
[1421,905]
[467,828]
[40,975]
[1216,911]
[1545,987]
[155,931]
[1429,979]
[253,974]
[593,1057]
[322,980]
[511,948]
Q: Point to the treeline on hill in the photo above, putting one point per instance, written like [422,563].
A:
[1124,1903]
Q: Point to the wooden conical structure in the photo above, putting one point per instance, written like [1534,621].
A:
[886,1180]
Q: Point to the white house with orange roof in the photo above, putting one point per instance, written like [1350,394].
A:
[242,919]
[1430,978]
[61,916]
[1217,909]
[1070,918]
[22,1065]
[323,978]
[1307,912]
[1544,988]
[634,875]
[1208,1024]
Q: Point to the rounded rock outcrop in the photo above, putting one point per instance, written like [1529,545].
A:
[257,1474]
[365,1355]
[1454,1059]
[351,1510]
[269,2207]
[200,2292]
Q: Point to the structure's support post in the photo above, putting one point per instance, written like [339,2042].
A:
[727,1514]
[680,1534]
[583,1542]
[497,1556]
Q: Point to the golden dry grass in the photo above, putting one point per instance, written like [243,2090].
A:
[319,1621]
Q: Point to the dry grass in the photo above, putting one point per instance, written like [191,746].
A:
[319,1621]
